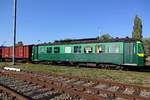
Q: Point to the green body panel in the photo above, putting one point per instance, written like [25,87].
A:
[70,57]
[140,61]
[127,53]
[104,57]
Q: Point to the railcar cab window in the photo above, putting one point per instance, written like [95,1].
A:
[77,49]
[49,49]
[100,48]
[114,49]
[140,48]
[88,49]
[56,50]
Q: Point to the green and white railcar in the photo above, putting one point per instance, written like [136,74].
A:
[115,51]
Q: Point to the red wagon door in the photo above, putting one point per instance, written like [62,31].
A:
[26,52]
[19,52]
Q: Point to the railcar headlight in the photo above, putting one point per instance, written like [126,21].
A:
[140,54]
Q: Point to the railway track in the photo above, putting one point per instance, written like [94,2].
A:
[8,94]
[49,86]
[28,90]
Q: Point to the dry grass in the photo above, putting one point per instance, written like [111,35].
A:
[4,64]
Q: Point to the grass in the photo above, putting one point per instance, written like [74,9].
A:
[4,64]
[131,77]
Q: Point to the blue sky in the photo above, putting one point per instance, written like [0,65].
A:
[48,20]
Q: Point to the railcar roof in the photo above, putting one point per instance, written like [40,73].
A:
[16,46]
[89,40]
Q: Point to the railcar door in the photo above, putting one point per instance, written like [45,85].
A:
[35,53]
[128,53]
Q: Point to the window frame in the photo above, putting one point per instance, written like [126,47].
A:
[49,50]
[88,47]
[41,50]
[58,49]
[140,48]
[70,48]
[78,51]
[102,49]
[110,47]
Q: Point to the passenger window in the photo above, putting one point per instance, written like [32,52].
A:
[114,49]
[49,50]
[56,50]
[41,50]
[67,49]
[100,48]
[88,49]
[77,49]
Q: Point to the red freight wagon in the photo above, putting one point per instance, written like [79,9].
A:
[22,52]
[0,53]
[6,52]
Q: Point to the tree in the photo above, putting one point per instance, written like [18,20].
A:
[105,36]
[146,43]
[137,28]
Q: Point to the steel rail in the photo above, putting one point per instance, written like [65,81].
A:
[13,93]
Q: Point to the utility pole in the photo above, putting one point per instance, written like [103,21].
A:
[14,30]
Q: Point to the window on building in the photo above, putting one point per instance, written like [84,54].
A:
[67,49]
[100,48]
[77,49]
[56,49]
[88,49]
[49,50]
[114,49]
